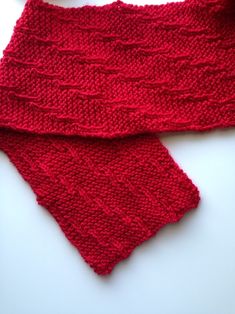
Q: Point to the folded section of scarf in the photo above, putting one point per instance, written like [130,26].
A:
[120,69]
[83,92]
[108,196]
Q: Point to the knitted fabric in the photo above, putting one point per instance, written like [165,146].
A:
[85,91]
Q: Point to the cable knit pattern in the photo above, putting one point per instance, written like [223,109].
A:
[83,93]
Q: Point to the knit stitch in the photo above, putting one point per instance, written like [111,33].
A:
[85,91]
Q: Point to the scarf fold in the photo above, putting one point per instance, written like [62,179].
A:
[84,94]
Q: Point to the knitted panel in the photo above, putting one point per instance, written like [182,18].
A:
[119,69]
[81,89]
[107,196]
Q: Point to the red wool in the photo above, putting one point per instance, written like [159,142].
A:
[84,93]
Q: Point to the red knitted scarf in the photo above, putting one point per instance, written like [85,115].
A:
[83,93]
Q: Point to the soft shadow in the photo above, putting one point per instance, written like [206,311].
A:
[166,232]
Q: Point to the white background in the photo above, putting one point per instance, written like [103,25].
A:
[188,268]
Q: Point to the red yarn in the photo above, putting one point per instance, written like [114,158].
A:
[82,92]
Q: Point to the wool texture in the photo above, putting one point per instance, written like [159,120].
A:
[84,94]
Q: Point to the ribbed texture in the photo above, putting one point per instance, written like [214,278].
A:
[81,91]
